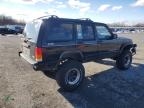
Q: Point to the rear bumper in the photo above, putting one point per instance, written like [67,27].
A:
[43,67]
[37,65]
[28,59]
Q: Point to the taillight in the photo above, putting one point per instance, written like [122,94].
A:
[38,54]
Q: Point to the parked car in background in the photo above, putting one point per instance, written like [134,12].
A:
[4,31]
[19,29]
[132,30]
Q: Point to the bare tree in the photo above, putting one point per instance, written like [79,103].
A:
[5,20]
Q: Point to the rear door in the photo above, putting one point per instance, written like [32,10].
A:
[58,38]
[107,45]
[86,40]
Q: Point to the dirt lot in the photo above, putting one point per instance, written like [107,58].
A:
[104,85]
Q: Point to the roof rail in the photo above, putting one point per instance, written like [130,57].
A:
[54,16]
[86,19]
[48,16]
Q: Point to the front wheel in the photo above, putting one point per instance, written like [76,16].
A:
[70,75]
[124,61]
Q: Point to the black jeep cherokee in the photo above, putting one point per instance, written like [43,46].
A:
[62,45]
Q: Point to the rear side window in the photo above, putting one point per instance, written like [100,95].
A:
[85,32]
[60,32]
[32,29]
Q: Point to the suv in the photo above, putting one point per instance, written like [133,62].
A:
[61,45]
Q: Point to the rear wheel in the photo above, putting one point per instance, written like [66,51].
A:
[50,74]
[70,75]
[3,34]
[124,61]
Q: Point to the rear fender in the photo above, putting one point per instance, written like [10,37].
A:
[74,55]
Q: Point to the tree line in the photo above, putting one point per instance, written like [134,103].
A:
[121,24]
[7,20]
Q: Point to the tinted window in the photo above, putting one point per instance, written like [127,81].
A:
[85,32]
[103,32]
[60,32]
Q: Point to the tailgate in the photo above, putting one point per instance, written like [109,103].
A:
[28,50]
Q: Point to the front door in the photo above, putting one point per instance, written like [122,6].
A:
[107,45]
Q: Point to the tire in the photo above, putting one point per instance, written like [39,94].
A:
[70,75]
[50,74]
[124,61]
[3,34]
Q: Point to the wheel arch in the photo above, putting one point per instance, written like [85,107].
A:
[126,47]
[73,55]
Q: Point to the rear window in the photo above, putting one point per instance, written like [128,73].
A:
[59,32]
[31,30]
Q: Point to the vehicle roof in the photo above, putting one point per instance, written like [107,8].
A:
[82,20]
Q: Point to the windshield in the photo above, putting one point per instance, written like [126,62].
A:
[31,30]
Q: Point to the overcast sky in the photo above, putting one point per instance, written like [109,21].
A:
[107,11]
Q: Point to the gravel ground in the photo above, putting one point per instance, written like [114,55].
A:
[104,87]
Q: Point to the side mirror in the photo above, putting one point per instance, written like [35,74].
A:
[115,36]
